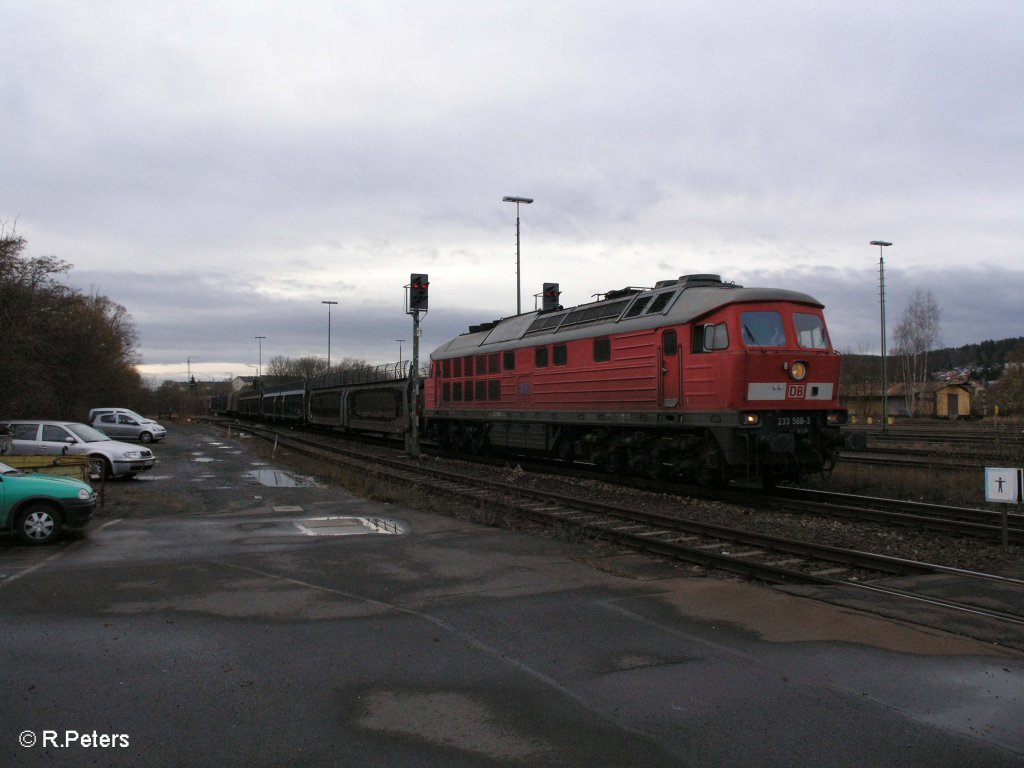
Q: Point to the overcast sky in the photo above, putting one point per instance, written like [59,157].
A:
[221,167]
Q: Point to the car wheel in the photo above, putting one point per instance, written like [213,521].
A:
[99,467]
[39,524]
[146,437]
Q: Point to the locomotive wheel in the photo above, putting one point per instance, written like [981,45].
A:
[479,440]
[443,437]
[615,461]
[658,469]
[710,468]
[565,451]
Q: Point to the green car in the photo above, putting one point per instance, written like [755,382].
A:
[37,507]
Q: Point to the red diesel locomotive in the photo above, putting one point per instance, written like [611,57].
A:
[695,377]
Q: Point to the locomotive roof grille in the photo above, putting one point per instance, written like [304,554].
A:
[637,307]
[660,303]
[603,311]
[669,298]
[545,323]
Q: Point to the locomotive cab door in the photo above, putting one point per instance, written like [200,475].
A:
[671,364]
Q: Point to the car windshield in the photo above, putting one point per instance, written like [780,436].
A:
[86,433]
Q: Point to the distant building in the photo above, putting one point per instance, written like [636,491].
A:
[932,399]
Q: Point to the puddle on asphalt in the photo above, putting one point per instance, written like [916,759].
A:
[350,526]
[277,478]
[153,477]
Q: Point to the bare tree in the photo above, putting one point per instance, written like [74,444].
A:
[63,352]
[312,367]
[1008,392]
[916,333]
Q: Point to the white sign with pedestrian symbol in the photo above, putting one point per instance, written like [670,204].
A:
[1002,484]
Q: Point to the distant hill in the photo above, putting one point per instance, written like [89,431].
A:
[985,360]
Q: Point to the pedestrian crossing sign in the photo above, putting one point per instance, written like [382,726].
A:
[1002,484]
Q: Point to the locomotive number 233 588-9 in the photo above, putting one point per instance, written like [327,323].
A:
[793,421]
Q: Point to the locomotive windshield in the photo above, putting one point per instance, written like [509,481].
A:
[763,329]
[810,331]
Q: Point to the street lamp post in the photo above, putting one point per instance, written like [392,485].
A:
[329,305]
[399,353]
[259,370]
[517,201]
[882,244]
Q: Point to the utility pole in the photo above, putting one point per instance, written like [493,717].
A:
[881,296]
[517,201]
[259,370]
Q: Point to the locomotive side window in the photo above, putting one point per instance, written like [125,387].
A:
[447,369]
[493,363]
[561,354]
[602,350]
[494,389]
[541,354]
[457,391]
[763,329]
[510,361]
[669,343]
[457,367]
[708,338]
[481,390]
[481,365]
[467,366]
[810,331]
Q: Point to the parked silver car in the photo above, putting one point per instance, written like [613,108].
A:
[40,437]
[123,426]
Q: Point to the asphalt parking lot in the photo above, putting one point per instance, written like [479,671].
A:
[224,612]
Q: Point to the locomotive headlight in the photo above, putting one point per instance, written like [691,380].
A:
[798,371]
[836,418]
[750,419]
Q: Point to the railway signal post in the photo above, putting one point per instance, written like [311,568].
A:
[419,285]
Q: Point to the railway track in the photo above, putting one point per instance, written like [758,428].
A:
[958,521]
[750,554]
[940,446]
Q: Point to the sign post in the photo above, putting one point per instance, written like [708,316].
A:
[1002,485]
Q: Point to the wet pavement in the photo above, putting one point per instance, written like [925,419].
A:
[225,611]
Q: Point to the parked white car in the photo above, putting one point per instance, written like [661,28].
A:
[40,437]
[123,426]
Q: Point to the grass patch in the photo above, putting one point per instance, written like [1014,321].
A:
[937,485]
